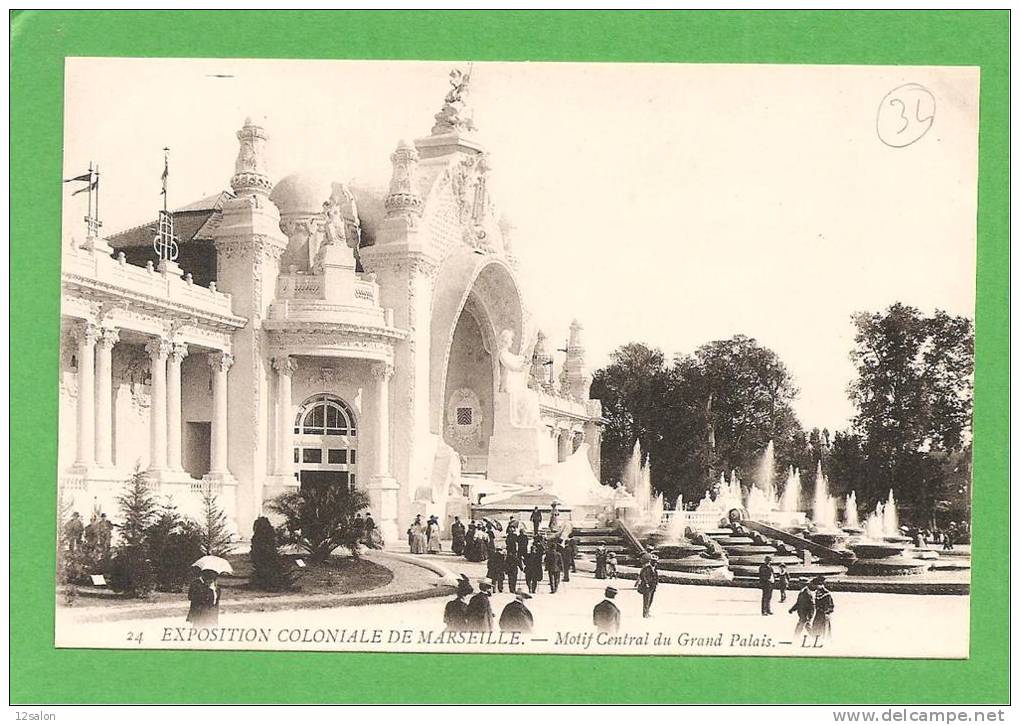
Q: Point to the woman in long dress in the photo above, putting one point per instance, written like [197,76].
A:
[416,536]
[432,536]
[824,606]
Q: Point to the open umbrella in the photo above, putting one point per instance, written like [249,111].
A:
[495,524]
[215,563]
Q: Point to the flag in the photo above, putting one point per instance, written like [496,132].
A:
[83,177]
[166,173]
[91,187]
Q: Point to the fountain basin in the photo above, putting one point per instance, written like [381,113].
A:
[796,571]
[759,559]
[876,550]
[898,539]
[693,565]
[830,539]
[732,540]
[924,553]
[889,566]
[679,550]
[746,549]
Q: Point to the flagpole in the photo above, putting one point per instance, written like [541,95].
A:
[166,172]
[88,217]
[97,200]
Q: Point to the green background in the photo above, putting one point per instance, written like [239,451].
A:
[40,42]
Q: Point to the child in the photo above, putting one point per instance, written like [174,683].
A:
[783,582]
[611,565]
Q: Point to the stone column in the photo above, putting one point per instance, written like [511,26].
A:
[159,350]
[104,396]
[382,488]
[382,372]
[86,335]
[178,352]
[285,367]
[220,363]
[563,445]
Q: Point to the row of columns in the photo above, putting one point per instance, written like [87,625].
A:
[95,401]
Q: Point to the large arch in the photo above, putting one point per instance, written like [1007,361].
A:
[488,283]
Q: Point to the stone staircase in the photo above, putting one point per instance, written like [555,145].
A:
[746,550]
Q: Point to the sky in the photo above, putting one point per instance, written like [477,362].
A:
[671,204]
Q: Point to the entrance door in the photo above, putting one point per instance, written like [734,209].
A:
[325,443]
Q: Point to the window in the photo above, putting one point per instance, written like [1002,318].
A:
[336,455]
[325,415]
[311,455]
[464,416]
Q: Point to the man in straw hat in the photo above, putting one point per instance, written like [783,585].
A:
[515,616]
[606,614]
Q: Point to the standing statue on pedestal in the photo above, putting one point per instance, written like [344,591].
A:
[514,370]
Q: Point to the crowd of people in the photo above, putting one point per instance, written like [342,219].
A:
[92,539]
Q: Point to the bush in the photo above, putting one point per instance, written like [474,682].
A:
[319,519]
[268,572]
[131,573]
[173,543]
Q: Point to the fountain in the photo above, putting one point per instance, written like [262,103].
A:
[851,518]
[790,500]
[823,514]
[884,551]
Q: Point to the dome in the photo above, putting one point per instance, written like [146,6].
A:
[301,193]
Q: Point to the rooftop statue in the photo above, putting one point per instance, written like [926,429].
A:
[455,115]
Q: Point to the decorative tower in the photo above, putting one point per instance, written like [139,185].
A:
[576,377]
[248,245]
[541,364]
[403,199]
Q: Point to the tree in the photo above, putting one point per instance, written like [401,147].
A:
[711,411]
[725,403]
[214,529]
[913,395]
[137,510]
[318,519]
[631,389]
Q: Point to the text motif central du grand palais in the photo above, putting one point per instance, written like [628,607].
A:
[315,334]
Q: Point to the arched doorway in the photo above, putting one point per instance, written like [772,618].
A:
[325,442]
[467,414]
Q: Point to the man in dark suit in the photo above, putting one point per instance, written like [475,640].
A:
[601,557]
[522,544]
[647,583]
[496,567]
[561,547]
[455,614]
[479,616]
[767,580]
[536,520]
[533,568]
[805,607]
[512,566]
[554,565]
[571,554]
[515,616]
[606,614]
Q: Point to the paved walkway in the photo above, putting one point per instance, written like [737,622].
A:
[686,620]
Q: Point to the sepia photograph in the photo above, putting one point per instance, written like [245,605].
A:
[520,358]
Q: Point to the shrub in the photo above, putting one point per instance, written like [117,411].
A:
[130,572]
[173,543]
[138,510]
[268,572]
[319,519]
